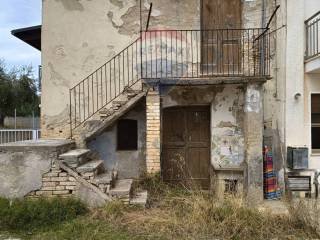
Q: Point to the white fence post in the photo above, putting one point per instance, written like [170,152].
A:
[34,134]
[16,135]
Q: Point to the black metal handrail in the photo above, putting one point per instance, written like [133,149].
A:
[104,85]
[205,53]
[175,54]
[312,36]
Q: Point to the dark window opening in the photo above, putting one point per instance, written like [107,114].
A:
[127,134]
[230,186]
[315,121]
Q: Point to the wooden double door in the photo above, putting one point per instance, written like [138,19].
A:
[221,36]
[186,146]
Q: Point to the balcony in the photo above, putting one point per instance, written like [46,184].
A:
[174,57]
[312,44]
[205,54]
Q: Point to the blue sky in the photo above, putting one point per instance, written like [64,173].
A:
[18,14]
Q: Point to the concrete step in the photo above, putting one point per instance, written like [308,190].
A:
[122,189]
[108,121]
[140,198]
[104,182]
[104,178]
[136,92]
[115,108]
[94,166]
[128,89]
[106,113]
[131,95]
[76,157]
[116,105]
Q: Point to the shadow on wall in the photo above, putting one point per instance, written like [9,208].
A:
[128,163]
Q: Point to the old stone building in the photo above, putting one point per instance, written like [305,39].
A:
[191,89]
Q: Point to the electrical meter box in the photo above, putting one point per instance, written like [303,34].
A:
[297,158]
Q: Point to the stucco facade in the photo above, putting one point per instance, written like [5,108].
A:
[98,69]
[78,37]
[294,83]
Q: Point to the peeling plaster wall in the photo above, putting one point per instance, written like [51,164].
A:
[21,172]
[78,36]
[22,165]
[129,164]
[227,112]
[227,146]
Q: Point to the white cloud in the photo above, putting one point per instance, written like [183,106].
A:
[18,14]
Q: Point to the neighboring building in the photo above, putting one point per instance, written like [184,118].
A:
[195,96]
[300,83]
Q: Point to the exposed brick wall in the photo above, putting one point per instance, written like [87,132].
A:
[56,183]
[153,131]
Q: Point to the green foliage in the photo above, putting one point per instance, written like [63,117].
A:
[18,90]
[29,214]
[83,228]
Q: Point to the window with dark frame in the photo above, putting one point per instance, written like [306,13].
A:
[127,135]
[315,122]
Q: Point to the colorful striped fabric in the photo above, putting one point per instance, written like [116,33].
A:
[270,179]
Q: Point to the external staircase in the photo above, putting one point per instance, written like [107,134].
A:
[85,166]
[109,115]
[96,103]
[109,92]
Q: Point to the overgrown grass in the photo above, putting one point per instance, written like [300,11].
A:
[30,214]
[82,228]
[306,212]
[204,217]
[174,213]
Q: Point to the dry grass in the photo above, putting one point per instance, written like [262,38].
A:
[175,213]
[306,212]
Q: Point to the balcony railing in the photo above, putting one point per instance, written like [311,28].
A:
[172,54]
[205,53]
[312,36]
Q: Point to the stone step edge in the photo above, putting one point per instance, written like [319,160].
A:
[139,198]
[82,168]
[108,121]
[64,156]
[122,194]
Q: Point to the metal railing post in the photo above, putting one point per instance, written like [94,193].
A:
[70,113]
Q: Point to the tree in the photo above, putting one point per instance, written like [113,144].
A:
[6,98]
[18,90]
